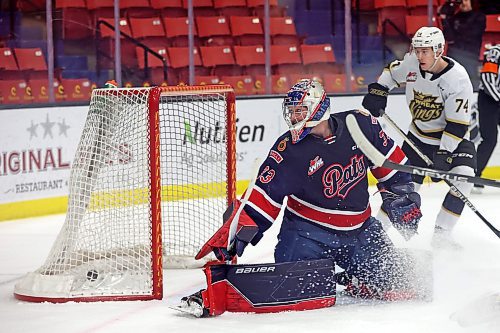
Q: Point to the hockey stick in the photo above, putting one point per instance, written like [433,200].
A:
[381,161]
[244,200]
[428,161]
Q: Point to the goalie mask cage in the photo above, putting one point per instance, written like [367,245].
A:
[146,155]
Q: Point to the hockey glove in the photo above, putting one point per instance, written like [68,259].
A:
[226,246]
[442,161]
[402,205]
[376,99]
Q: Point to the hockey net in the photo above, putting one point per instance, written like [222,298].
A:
[152,164]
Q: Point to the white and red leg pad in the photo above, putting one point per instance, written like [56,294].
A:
[265,288]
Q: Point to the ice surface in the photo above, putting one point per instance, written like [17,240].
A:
[459,278]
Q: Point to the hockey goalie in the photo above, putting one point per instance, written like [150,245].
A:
[327,220]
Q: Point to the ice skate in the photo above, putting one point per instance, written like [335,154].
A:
[443,240]
[477,189]
[193,305]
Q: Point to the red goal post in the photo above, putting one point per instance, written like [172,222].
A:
[153,173]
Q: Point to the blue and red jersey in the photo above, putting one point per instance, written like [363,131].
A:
[324,179]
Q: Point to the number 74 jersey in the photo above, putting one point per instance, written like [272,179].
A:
[440,104]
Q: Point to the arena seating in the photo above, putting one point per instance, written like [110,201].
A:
[214,30]
[307,40]
[176,31]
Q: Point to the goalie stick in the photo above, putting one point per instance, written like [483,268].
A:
[244,200]
[429,162]
[381,161]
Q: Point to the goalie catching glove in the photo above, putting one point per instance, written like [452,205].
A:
[224,245]
[402,205]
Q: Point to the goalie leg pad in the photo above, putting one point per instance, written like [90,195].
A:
[383,271]
[411,278]
[267,288]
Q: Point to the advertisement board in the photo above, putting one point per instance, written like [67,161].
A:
[38,145]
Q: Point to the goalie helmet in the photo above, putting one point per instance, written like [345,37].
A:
[429,37]
[305,106]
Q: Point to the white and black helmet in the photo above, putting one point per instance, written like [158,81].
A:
[429,37]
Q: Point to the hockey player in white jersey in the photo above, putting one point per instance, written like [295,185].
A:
[438,93]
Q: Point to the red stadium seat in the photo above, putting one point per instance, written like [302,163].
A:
[147,27]
[160,4]
[220,59]
[419,7]
[415,22]
[149,30]
[96,4]
[202,7]
[76,23]
[393,14]
[106,44]
[77,89]
[242,84]
[319,53]
[152,60]
[492,32]
[169,8]
[70,4]
[285,59]
[30,59]
[283,31]
[492,23]
[31,5]
[247,30]
[258,8]
[198,3]
[232,7]
[214,30]
[366,5]
[257,3]
[137,8]
[106,32]
[249,55]
[101,8]
[176,29]
[319,58]
[420,3]
[252,58]
[178,58]
[389,3]
[7,59]
[15,92]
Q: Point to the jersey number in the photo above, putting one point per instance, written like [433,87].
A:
[461,104]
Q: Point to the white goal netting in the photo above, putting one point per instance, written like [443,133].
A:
[148,157]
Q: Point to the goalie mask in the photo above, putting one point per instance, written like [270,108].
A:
[305,106]
[429,37]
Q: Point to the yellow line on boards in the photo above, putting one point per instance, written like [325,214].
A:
[58,205]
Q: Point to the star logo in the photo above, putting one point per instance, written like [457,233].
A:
[32,130]
[63,128]
[47,127]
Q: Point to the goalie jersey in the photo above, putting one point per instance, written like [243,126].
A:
[439,103]
[324,180]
